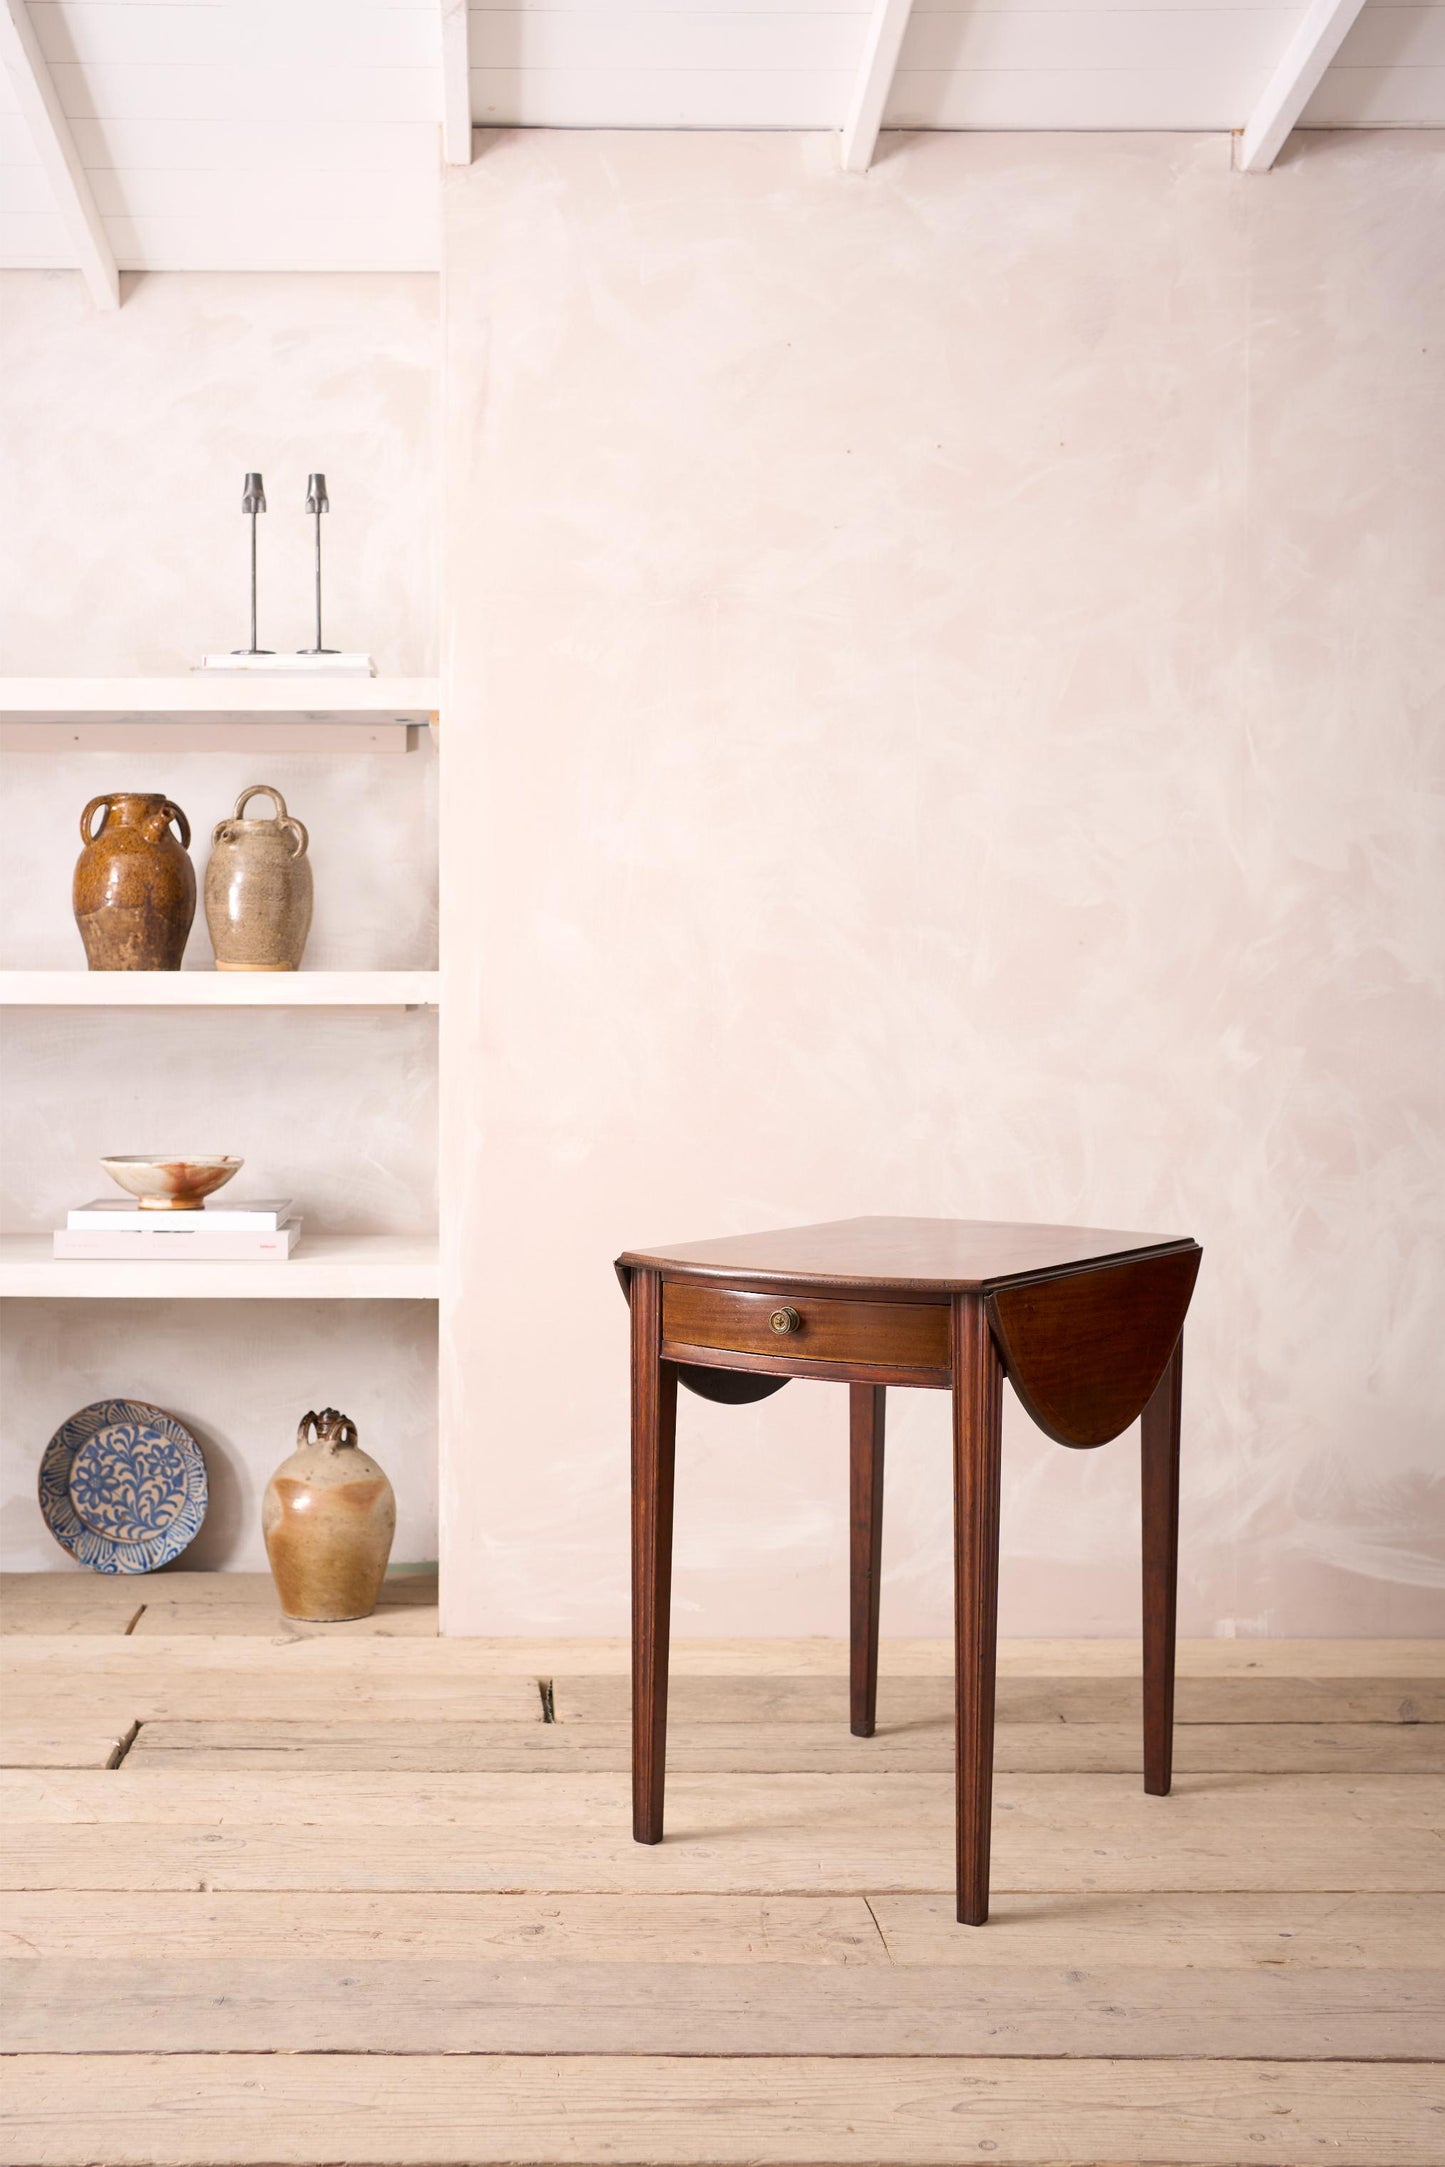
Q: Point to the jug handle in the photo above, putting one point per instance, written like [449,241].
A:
[288,824]
[308,1422]
[85,834]
[173,812]
[260,790]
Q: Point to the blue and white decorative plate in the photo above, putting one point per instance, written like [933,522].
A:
[123,1487]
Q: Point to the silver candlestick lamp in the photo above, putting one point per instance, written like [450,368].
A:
[253,500]
[317,502]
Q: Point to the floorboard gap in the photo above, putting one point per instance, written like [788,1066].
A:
[879,1931]
[124,1746]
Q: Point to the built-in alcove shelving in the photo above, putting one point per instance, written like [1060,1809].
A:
[67,1024]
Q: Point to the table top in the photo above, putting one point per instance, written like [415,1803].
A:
[954,1256]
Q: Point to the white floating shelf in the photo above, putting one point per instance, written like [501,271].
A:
[218,989]
[324,1267]
[305,713]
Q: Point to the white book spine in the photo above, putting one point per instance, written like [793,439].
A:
[168,1248]
[107,1218]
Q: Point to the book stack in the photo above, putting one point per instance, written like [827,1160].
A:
[115,1230]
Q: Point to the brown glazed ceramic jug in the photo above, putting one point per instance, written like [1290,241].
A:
[258,888]
[135,887]
[328,1518]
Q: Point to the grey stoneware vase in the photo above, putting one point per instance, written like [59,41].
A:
[329,1517]
[258,888]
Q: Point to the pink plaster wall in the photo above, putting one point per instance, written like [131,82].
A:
[945,698]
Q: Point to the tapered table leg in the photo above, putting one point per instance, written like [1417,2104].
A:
[977,1426]
[654,1441]
[865,1555]
[1159,1455]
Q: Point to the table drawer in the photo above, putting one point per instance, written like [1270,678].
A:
[807,1326]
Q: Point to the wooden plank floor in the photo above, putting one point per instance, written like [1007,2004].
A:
[363,1896]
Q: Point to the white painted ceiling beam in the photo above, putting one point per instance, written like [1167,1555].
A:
[875,79]
[456,84]
[36,95]
[1319,37]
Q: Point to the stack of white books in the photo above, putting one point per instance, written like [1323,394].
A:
[115,1230]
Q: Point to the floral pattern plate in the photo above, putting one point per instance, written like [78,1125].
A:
[123,1486]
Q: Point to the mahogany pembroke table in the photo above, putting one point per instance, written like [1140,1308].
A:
[1086,1325]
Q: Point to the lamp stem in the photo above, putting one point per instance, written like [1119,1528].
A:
[319,648]
[253,584]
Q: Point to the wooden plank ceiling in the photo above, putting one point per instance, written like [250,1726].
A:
[303,134]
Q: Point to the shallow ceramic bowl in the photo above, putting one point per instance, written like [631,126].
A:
[171,1184]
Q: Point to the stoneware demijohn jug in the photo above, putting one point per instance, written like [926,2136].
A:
[135,887]
[258,888]
[328,1519]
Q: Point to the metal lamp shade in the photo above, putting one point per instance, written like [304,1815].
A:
[316,497]
[253,495]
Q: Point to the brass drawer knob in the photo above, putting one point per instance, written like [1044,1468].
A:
[786,1320]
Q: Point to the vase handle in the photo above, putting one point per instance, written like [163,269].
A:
[173,812]
[261,790]
[346,1434]
[85,834]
